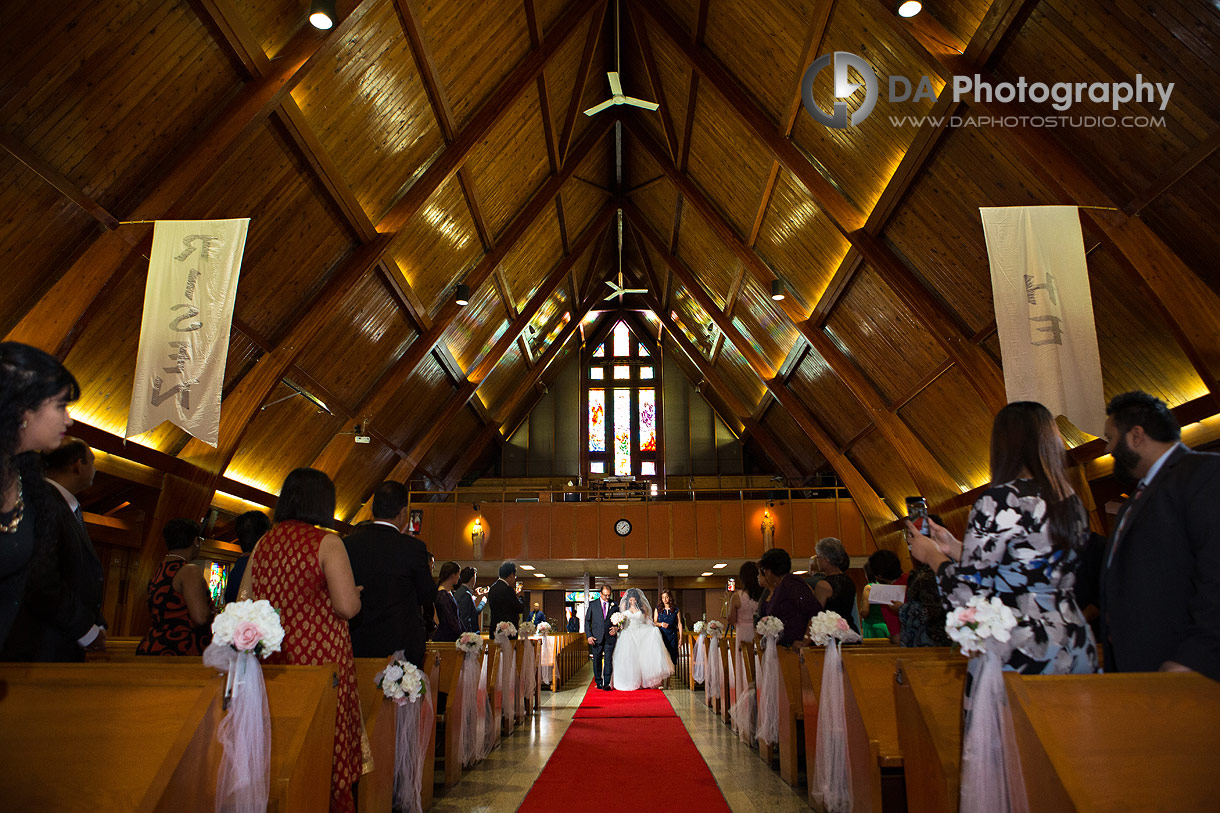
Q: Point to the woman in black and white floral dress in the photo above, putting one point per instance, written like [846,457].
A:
[1022,543]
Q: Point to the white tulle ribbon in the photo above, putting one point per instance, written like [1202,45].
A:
[473,721]
[411,750]
[699,662]
[508,671]
[244,782]
[991,766]
[832,772]
[742,711]
[715,668]
[767,729]
[529,676]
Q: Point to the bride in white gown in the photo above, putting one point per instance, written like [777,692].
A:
[640,658]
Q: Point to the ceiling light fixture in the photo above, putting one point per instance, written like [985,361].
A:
[777,289]
[623,567]
[526,567]
[462,294]
[909,8]
[799,572]
[720,565]
[539,575]
[322,14]
[709,573]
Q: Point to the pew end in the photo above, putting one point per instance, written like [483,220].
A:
[928,706]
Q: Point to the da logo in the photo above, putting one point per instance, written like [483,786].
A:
[844,88]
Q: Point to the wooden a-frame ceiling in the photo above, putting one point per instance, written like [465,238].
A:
[422,144]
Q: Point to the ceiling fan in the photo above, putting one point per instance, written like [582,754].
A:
[616,86]
[619,290]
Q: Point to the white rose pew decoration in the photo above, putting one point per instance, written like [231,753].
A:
[768,629]
[243,633]
[714,673]
[991,766]
[475,708]
[529,665]
[405,684]
[699,658]
[504,633]
[832,773]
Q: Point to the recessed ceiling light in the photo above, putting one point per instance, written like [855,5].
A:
[623,575]
[623,567]
[709,573]
[322,14]
[526,567]
[720,565]
[539,575]
[799,572]
[909,8]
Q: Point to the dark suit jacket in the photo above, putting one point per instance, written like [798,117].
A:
[467,613]
[1160,594]
[398,589]
[794,604]
[597,625]
[504,605]
[63,594]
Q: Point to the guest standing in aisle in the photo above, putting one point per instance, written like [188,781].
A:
[178,598]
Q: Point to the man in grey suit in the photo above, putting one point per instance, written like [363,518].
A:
[1160,578]
[61,613]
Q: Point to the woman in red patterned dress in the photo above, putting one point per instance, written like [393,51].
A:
[303,570]
[178,599]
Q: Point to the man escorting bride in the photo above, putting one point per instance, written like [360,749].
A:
[640,658]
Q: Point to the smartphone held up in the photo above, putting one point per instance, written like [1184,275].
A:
[917,513]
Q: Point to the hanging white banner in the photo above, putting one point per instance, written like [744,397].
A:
[184,337]
[1044,311]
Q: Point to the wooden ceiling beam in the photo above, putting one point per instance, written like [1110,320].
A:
[52,319]
[469,456]
[654,81]
[592,35]
[39,166]
[454,156]
[982,371]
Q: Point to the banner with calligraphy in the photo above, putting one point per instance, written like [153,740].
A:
[184,337]
[1044,311]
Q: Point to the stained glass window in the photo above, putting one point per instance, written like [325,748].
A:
[623,424]
[648,421]
[218,577]
[622,340]
[622,431]
[597,420]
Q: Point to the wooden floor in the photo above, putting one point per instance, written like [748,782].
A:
[501,782]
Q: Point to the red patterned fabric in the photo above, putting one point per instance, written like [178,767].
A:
[285,571]
[172,632]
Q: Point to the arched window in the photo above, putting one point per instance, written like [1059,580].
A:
[622,389]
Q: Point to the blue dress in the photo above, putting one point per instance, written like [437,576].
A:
[669,635]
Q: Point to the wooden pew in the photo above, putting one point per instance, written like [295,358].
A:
[928,706]
[449,681]
[142,736]
[1117,742]
[748,678]
[378,713]
[873,746]
[791,715]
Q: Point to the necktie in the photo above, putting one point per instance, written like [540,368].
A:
[80,515]
[1118,532]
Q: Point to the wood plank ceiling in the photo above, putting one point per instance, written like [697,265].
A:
[419,145]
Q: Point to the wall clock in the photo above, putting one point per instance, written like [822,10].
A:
[622,527]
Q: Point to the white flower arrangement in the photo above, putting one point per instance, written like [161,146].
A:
[504,631]
[526,629]
[469,642]
[829,625]
[249,626]
[714,629]
[980,621]
[769,627]
[697,628]
[544,628]
[402,682]
[619,620]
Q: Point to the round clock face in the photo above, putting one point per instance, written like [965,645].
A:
[622,527]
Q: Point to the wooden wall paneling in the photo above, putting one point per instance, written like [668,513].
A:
[685,527]
[585,526]
[752,515]
[562,535]
[660,531]
[707,529]
[636,543]
[48,323]
[852,528]
[513,530]
[802,531]
[609,544]
[732,530]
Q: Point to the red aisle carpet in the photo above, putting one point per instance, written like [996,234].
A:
[628,748]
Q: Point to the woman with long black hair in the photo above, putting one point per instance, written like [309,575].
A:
[1022,544]
[35,390]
